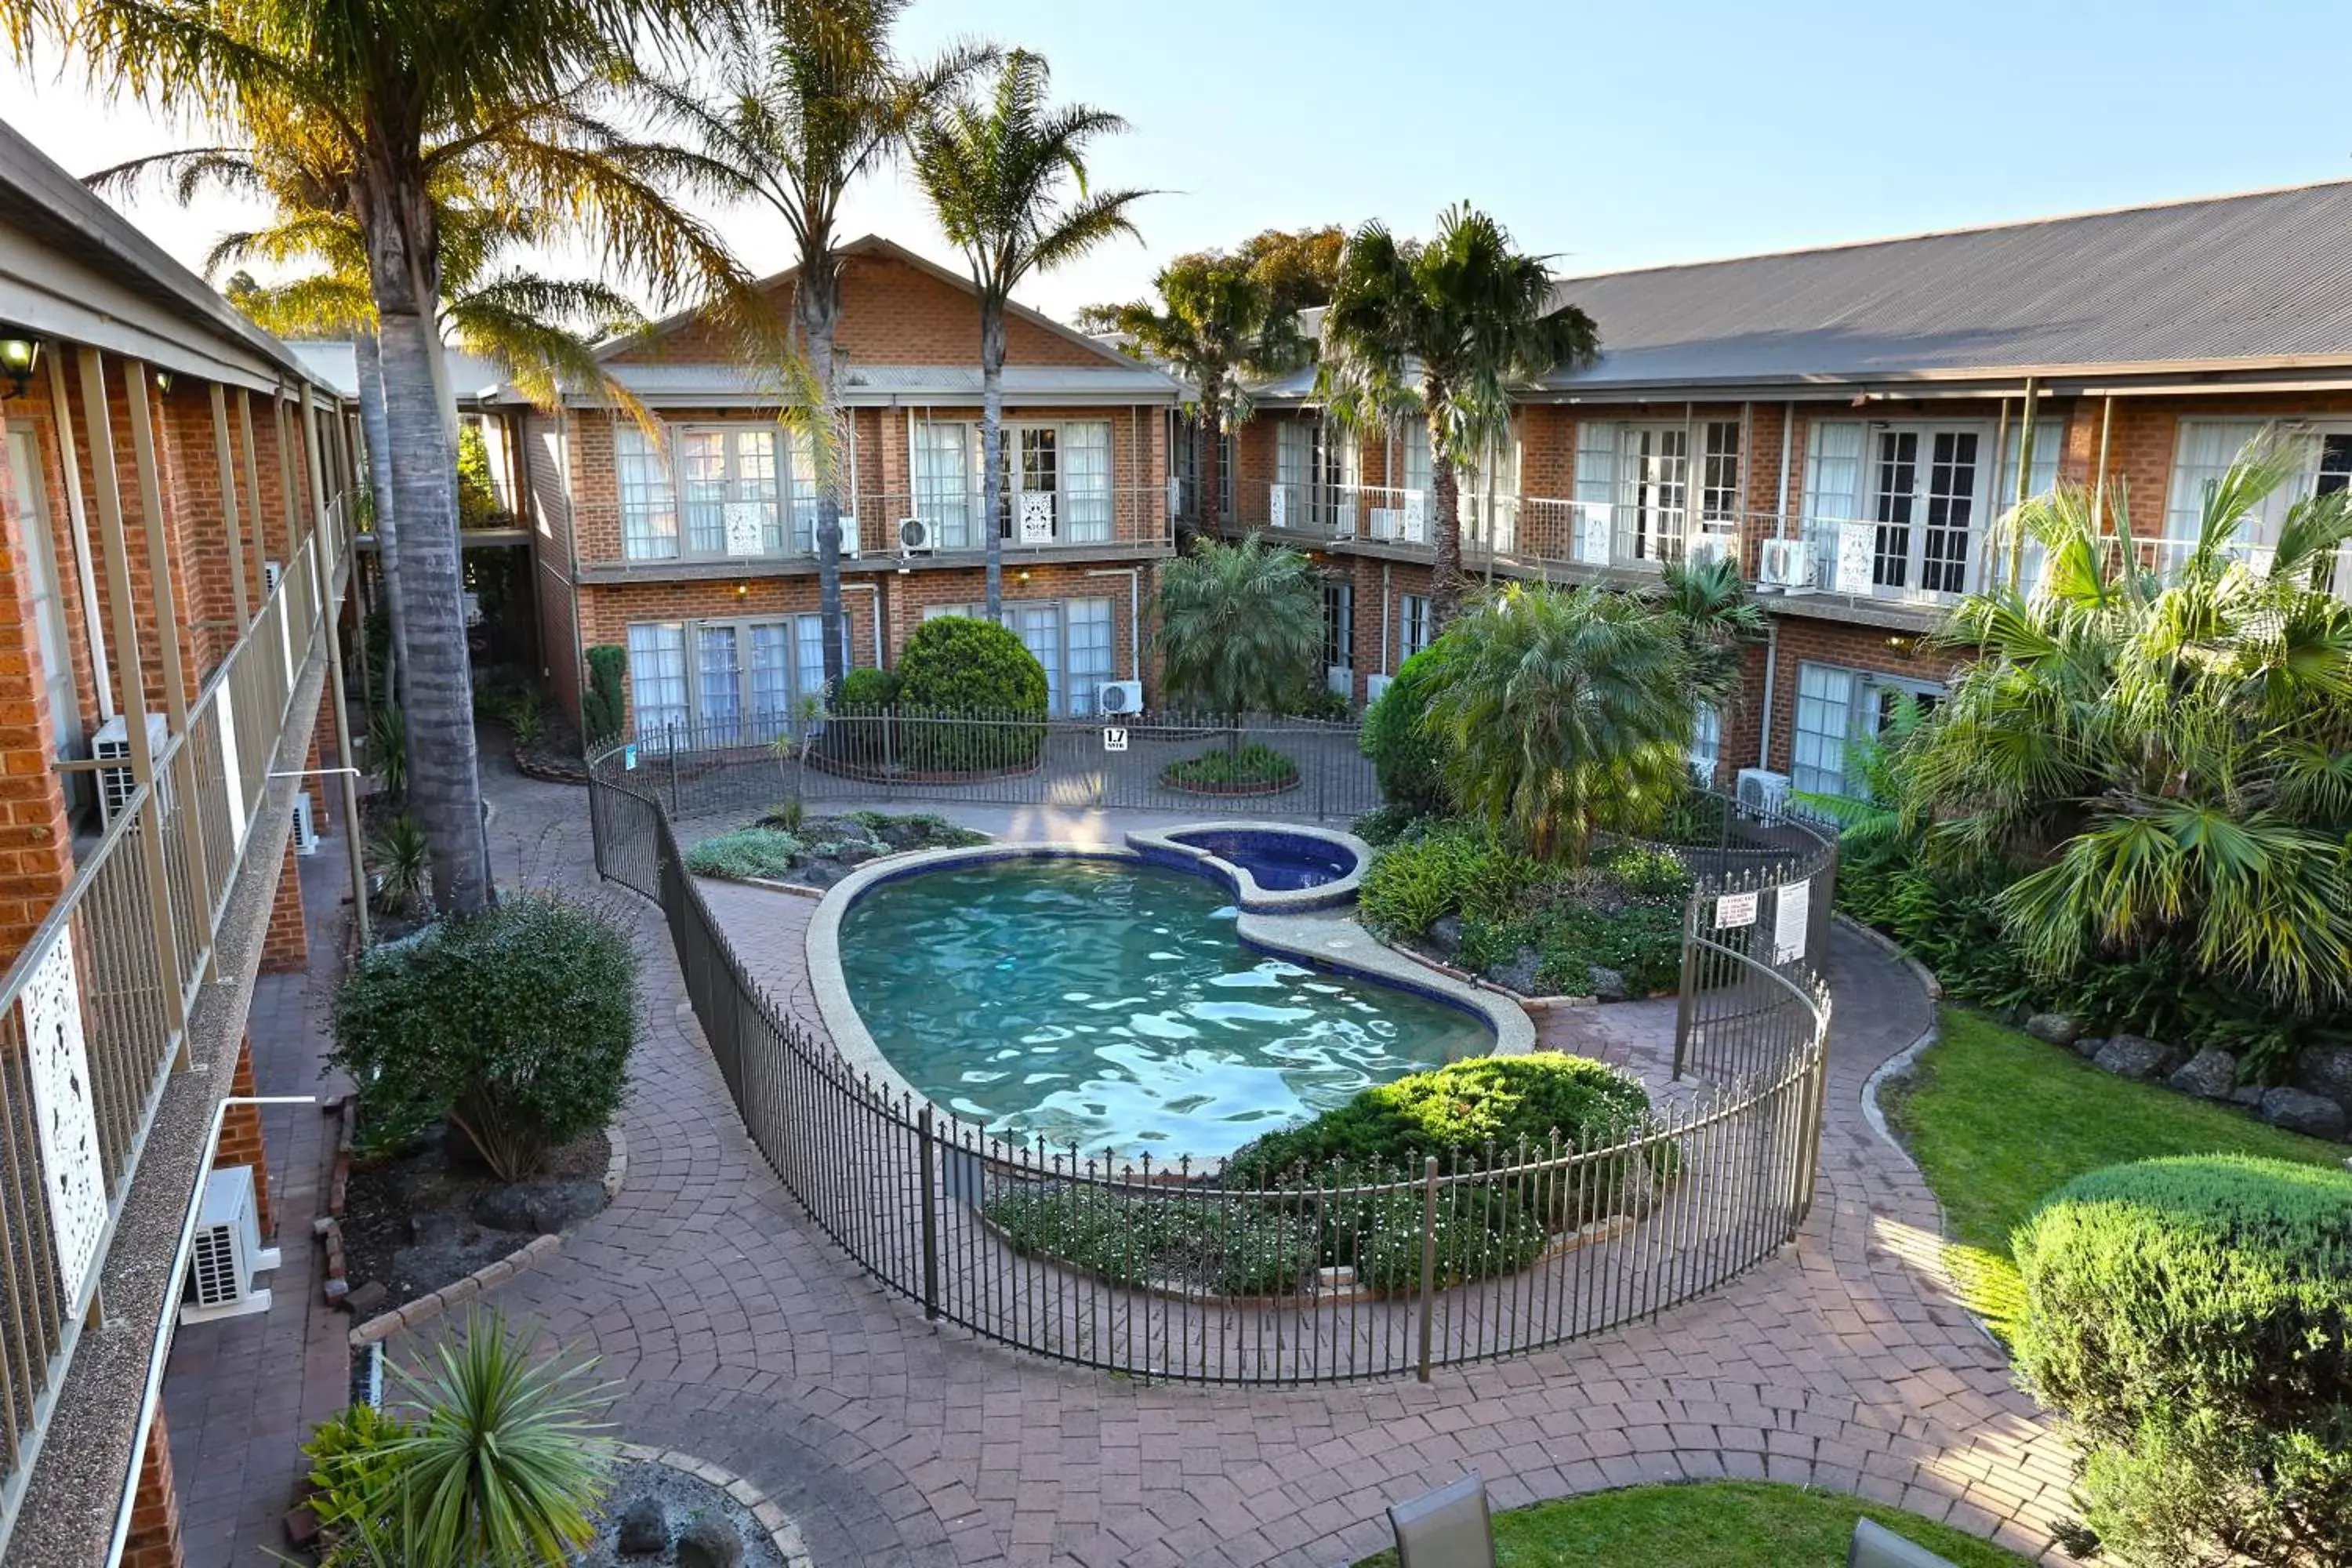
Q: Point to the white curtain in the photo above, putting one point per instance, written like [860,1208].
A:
[648,505]
[1085,479]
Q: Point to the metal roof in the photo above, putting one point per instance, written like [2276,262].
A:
[333,361]
[866,383]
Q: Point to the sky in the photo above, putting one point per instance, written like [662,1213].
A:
[1602,136]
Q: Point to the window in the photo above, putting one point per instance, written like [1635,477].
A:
[1487,501]
[1707,744]
[1919,489]
[1225,474]
[1413,626]
[1339,627]
[1294,469]
[1416,454]
[943,471]
[1633,486]
[738,687]
[1085,482]
[648,508]
[729,491]
[2207,447]
[1836,710]
[1653,492]
[1071,638]
[657,689]
[1719,496]
[2049,444]
[1058,482]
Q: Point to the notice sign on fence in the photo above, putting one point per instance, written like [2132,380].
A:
[629,757]
[1114,739]
[1734,910]
[1793,914]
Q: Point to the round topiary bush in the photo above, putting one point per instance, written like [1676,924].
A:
[870,687]
[2193,1319]
[966,688]
[1409,762]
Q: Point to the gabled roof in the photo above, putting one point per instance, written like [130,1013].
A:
[2262,280]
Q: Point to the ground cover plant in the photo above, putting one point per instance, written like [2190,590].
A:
[788,846]
[1254,766]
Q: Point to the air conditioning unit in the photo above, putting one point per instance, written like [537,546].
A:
[227,1252]
[848,537]
[915,537]
[112,743]
[270,573]
[1374,685]
[1117,697]
[1762,794]
[1786,564]
[1707,549]
[305,825]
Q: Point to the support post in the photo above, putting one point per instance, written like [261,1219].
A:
[252,493]
[1428,1262]
[331,621]
[228,466]
[928,1178]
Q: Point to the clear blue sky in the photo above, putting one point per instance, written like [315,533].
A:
[1607,135]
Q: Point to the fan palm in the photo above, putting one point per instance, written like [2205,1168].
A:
[814,99]
[2165,756]
[1564,712]
[399,93]
[1217,323]
[1441,332]
[1241,626]
[1007,180]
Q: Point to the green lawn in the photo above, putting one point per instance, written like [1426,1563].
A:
[1998,1119]
[1723,1524]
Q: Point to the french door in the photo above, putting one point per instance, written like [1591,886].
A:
[1653,492]
[1926,499]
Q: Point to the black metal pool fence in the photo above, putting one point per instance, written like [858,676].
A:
[1203,1271]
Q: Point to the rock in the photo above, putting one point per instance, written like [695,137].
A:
[709,1543]
[2211,1074]
[2296,1111]
[644,1527]
[302,1528]
[2249,1095]
[1518,973]
[538,1208]
[2057,1028]
[2325,1071]
[2136,1056]
[367,1300]
[1446,935]
[1608,984]
[434,1229]
[821,873]
[2089,1045]
[858,851]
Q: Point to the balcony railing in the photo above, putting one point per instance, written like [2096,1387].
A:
[952,522]
[94,1010]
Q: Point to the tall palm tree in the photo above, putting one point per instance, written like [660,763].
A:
[1441,332]
[401,92]
[1240,628]
[2160,759]
[996,177]
[1218,323]
[1564,712]
[814,99]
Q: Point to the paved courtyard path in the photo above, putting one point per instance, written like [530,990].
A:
[736,1332]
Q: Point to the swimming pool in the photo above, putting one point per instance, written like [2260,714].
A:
[1110,1003]
[1281,862]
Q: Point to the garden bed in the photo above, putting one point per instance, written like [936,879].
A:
[1255,769]
[818,851]
[669,1502]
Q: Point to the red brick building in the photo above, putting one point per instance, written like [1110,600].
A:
[693,547]
[1848,424]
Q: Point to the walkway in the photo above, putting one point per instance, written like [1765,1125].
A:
[737,1332]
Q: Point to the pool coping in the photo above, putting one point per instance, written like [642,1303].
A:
[1166,846]
[1326,939]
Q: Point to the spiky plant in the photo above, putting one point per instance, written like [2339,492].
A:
[1241,626]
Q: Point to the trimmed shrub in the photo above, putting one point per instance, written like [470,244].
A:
[1456,866]
[867,688]
[746,852]
[602,711]
[956,669]
[1408,761]
[2193,1319]
[514,1025]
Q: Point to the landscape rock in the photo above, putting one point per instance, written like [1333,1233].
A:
[2089,1045]
[2211,1074]
[538,1208]
[2056,1028]
[2325,1070]
[1446,935]
[709,1543]
[2136,1056]
[821,873]
[2249,1095]
[1518,973]
[1608,984]
[858,851]
[644,1527]
[2295,1111]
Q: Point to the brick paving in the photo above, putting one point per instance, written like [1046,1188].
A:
[736,1332]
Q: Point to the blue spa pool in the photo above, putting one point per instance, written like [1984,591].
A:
[1280,862]
[1110,1004]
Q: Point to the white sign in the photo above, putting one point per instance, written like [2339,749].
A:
[747,526]
[1734,910]
[58,1060]
[1036,517]
[1114,739]
[1856,545]
[1790,920]
[629,757]
[1592,535]
[1416,517]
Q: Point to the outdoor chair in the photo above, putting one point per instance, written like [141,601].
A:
[1449,1528]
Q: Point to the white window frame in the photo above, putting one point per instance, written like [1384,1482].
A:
[1862,707]
[2184,503]
[1414,632]
[748,725]
[1844,486]
[45,584]
[659,523]
[958,525]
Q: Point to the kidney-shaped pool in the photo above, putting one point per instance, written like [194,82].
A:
[1110,1003]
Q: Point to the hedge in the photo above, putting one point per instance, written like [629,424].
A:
[1409,762]
[966,685]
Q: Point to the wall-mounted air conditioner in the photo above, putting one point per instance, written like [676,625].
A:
[1785,563]
[227,1252]
[1374,685]
[1762,794]
[1114,697]
[915,537]
[305,825]
[112,743]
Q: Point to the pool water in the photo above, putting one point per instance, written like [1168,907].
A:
[1280,862]
[1110,1005]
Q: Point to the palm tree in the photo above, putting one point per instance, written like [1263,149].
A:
[995,175]
[399,95]
[814,99]
[1440,331]
[1240,628]
[2160,760]
[1218,324]
[1564,712]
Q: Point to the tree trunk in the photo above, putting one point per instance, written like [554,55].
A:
[816,301]
[377,434]
[1211,509]
[991,448]
[445,791]
[1445,522]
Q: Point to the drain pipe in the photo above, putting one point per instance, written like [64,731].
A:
[1771,670]
[153,1395]
[1134,575]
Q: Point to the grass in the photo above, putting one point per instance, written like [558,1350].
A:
[1998,1119]
[1724,1524]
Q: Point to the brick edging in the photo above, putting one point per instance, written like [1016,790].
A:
[784,1534]
[563,771]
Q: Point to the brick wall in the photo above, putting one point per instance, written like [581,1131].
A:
[35,849]
[155,1538]
[1804,640]
[240,1139]
[286,946]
